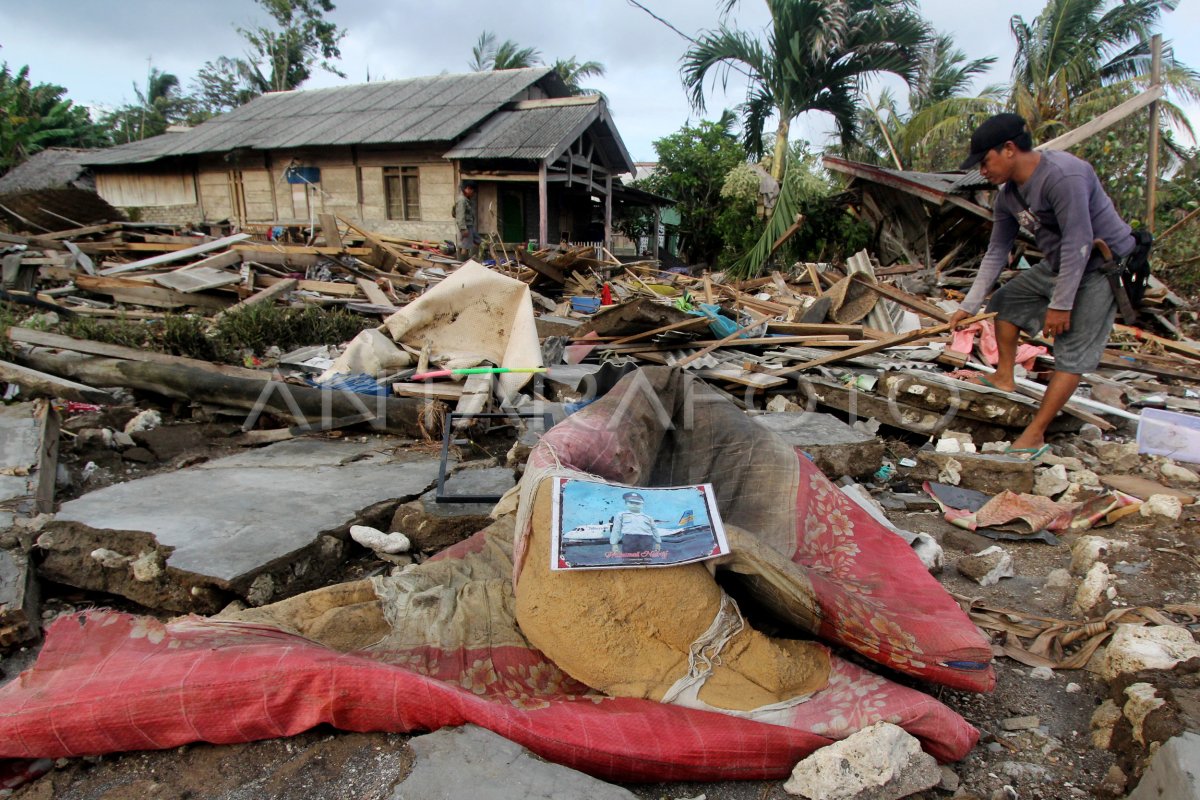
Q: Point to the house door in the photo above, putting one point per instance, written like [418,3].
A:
[512,216]
[237,196]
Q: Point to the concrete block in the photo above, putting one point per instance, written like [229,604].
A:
[984,472]
[434,526]
[1174,772]
[474,762]
[216,528]
[836,448]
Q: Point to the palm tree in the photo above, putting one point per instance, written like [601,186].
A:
[1078,58]
[486,55]
[816,57]
[573,72]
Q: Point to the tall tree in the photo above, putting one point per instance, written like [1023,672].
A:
[283,57]
[692,166]
[489,55]
[159,105]
[573,72]
[1078,58]
[36,116]
[940,115]
[816,56]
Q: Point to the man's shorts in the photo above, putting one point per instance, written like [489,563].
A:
[1023,302]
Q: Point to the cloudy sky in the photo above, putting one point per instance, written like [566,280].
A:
[98,49]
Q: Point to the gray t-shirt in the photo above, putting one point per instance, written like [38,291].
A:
[1069,211]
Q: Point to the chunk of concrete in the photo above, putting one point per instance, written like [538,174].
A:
[215,528]
[432,526]
[881,762]
[1134,648]
[1173,472]
[1104,721]
[19,618]
[1093,588]
[1174,771]
[836,448]
[1162,505]
[1087,550]
[1141,700]
[19,441]
[1119,456]
[474,762]
[988,566]
[984,472]
[1050,481]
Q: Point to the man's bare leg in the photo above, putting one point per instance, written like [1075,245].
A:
[1007,337]
[1058,392]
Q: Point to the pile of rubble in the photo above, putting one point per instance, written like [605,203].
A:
[175,483]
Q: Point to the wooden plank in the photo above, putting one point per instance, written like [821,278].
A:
[323,287]
[1180,348]
[274,290]
[85,231]
[88,347]
[757,320]
[1105,120]
[251,250]
[329,230]
[81,258]
[49,424]
[815,329]
[374,293]
[876,346]
[476,393]
[167,258]
[450,392]
[40,384]
[543,268]
[909,301]
[674,326]
[140,293]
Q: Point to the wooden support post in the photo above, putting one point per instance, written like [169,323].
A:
[608,211]
[1152,158]
[654,233]
[542,205]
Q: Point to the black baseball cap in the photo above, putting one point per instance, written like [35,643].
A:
[994,132]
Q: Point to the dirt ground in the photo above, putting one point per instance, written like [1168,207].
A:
[1052,759]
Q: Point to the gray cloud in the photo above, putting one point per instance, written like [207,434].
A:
[97,50]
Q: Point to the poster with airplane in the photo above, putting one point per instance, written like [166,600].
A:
[597,525]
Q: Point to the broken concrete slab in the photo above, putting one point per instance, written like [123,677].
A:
[984,472]
[474,762]
[1174,771]
[836,448]
[1134,648]
[258,524]
[434,526]
[19,619]
[20,443]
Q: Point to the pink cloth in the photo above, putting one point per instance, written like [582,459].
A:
[964,342]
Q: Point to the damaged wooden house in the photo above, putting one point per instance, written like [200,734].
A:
[389,155]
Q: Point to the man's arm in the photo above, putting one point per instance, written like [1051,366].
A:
[1069,199]
[460,213]
[1004,233]
[614,535]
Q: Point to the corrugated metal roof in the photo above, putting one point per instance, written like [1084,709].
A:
[528,133]
[436,109]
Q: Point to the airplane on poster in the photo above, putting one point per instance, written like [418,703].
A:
[600,531]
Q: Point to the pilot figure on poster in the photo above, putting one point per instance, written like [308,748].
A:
[633,523]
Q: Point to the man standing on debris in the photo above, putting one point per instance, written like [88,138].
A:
[464,215]
[1059,199]
[632,522]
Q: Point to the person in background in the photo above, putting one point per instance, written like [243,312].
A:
[464,216]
